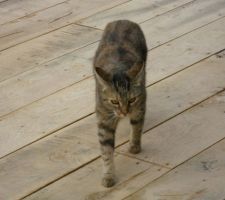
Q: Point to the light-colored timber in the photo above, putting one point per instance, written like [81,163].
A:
[49,148]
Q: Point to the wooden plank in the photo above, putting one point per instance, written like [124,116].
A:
[43,162]
[31,86]
[185,135]
[189,49]
[37,120]
[173,95]
[13,9]
[200,178]
[182,20]
[74,184]
[20,59]
[177,22]
[198,138]
[212,110]
[39,50]
[178,88]
[28,55]
[136,10]
[45,21]
[53,157]
[179,53]
[47,47]
[166,99]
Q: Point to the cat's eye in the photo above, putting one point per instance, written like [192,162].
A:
[115,102]
[132,100]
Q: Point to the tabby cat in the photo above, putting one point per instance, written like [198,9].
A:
[119,68]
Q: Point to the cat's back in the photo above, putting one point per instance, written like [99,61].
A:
[122,31]
[121,47]
[124,34]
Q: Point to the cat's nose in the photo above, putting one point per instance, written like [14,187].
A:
[124,111]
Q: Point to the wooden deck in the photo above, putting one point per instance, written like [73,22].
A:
[48,143]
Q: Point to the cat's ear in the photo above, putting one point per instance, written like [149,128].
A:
[137,72]
[101,76]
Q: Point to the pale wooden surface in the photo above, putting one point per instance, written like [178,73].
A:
[10,10]
[48,141]
[45,21]
[200,178]
[36,52]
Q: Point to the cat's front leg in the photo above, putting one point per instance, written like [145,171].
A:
[106,133]
[137,122]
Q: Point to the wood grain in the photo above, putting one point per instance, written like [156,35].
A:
[193,121]
[31,54]
[200,178]
[85,132]
[56,43]
[166,99]
[173,95]
[91,176]
[182,20]
[43,162]
[183,136]
[45,21]
[13,9]
[71,68]
[135,10]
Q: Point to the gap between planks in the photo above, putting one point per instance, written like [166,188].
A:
[53,131]
[98,40]
[187,33]
[37,66]
[164,174]
[2,117]
[63,26]
[154,164]
[77,21]
[50,133]
[74,49]
[168,119]
[32,13]
[83,117]
[149,85]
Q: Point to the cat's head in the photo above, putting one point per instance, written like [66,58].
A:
[121,90]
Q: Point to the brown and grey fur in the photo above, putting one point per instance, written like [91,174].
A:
[119,68]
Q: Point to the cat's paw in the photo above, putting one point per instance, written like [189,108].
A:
[135,149]
[108,181]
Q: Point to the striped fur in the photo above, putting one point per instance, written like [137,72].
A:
[119,67]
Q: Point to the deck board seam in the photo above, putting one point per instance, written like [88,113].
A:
[143,160]
[99,40]
[99,29]
[164,174]
[72,84]
[188,32]
[45,62]
[26,15]
[97,157]
[20,108]
[63,26]
[60,177]
[96,42]
[77,22]
[167,11]
[68,124]
[103,11]
[49,134]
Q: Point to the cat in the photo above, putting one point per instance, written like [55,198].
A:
[119,70]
